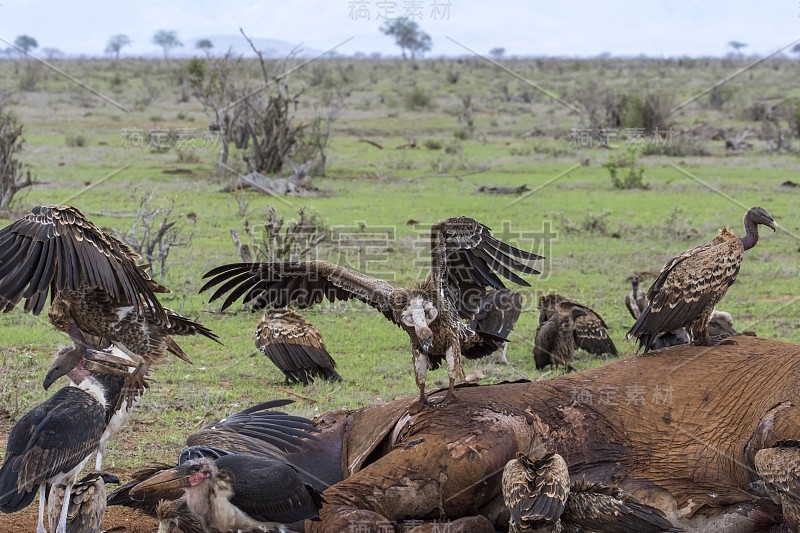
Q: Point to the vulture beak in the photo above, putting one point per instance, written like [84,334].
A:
[426,344]
[772,224]
[174,478]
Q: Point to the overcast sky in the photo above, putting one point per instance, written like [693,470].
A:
[659,28]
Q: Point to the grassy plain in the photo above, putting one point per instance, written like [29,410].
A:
[599,235]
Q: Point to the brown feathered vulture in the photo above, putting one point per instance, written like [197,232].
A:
[465,261]
[555,340]
[635,300]
[499,311]
[535,492]
[779,469]
[591,331]
[295,347]
[50,444]
[690,285]
[98,290]
[87,506]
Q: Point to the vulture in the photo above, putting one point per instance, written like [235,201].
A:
[87,506]
[555,337]
[465,261]
[535,492]
[99,292]
[635,300]
[779,469]
[591,331]
[691,284]
[498,314]
[50,444]
[539,497]
[258,431]
[295,347]
[122,380]
[239,492]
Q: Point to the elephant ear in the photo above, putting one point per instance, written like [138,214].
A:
[779,468]
[535,491]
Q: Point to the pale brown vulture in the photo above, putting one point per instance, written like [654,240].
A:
[555,337]
[99,291]
[295,347]
[591,331]
[87,506]
[465,260]
[635,300]
[779,469]
[690,285]
[499,311]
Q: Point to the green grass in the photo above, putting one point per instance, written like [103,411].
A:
[600,235]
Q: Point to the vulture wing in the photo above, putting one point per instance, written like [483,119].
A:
[610,510]
[535,492]
[296,348]
[498,313]
[268,490]
[686,286]
[591,333]
[466,259]
[87,506]
[299,283]
[779,467]
[545,342]
[56,248]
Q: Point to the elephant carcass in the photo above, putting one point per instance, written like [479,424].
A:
[678,428]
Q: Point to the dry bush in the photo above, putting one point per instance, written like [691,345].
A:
[13,175]
[276,240]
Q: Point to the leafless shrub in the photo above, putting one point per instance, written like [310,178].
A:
[278,241]
[155,232]
[13,175]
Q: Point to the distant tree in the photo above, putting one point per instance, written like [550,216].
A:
[737,46]
[167,40]
[116,43]
[204,45]
[407,36]
[52,53]
[796,49]
[497,52]
[26,43]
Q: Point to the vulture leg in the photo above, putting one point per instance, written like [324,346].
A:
[420,362]
[503,359]
[42,496]
[454,370]
[62,520]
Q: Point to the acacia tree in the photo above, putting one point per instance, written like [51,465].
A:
[796,49]
[205,45]
[26,43]
[167,40]
[408,36]
[116,43]
[737,46]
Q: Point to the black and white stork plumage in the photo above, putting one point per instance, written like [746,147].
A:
[124,383]
[591,331]
[295,347]
[465,260]
[240,492]
[499,311]
[691,284]
[258,431]
[50,444]
[87,506]
[99,291]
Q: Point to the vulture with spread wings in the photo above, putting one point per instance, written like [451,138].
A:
[465,260]
[690,285]
[591,331]
[99,293]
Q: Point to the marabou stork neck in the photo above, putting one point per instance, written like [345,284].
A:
[239,492]
[50,445]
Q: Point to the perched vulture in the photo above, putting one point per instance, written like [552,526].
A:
[779,469]
[87,506]
[498,314]
[239,492]
[50,444]
[604,509]
[720,325]
[591,331]
[635,300]
[465,260]
[690,285]
[540,498]
[555,338]
[535,492]
[257,431]
[98,290]
[295,347]
[122,380]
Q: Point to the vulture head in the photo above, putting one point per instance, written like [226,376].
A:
[759,215]
[577,313]
[418,314]
[635,281]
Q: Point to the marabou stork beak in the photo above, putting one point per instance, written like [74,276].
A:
[174,478]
